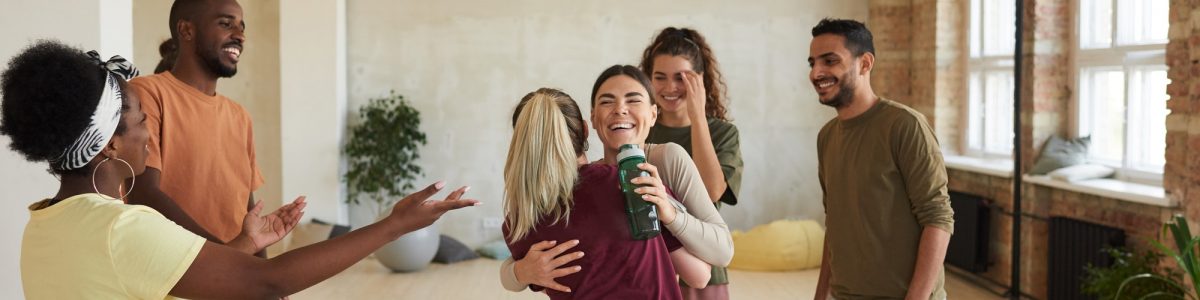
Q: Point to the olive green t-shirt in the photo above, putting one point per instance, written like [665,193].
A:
[884,181]
[725,142]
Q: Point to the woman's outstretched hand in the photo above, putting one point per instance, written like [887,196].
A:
[416,210]
[263,231]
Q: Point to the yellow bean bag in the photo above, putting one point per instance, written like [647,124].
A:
[784,245]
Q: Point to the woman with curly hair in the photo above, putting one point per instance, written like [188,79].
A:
[691,96]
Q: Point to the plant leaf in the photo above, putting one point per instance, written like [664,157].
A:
[1145,276]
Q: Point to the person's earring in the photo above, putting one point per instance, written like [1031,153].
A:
[132,179]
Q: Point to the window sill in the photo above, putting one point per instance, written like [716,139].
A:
[999,167]
[1109,188]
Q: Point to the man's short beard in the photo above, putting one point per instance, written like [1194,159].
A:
[214,65]
[845,95]
[212,61]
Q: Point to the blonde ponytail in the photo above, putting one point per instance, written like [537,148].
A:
[541,170]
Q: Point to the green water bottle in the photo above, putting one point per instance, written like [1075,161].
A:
[643,216]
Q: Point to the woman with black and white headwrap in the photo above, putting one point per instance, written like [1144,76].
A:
[70,110]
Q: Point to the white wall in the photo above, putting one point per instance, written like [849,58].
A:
[116,28]
[75,22]
[465,65]
[312,39]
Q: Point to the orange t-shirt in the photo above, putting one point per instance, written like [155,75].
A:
[204,148]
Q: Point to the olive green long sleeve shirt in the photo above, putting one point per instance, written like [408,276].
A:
[884,182]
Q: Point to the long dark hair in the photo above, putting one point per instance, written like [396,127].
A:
[689,44]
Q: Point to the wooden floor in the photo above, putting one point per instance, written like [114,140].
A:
[479,279]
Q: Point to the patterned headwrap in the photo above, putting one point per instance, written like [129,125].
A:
[104,120]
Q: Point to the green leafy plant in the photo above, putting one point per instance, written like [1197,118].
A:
[1186,259]
[1104,282]
[382,151]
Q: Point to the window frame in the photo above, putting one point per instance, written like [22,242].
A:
[1128,57]
[981,63]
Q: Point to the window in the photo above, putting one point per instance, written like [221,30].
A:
[1122,85]
[990,83]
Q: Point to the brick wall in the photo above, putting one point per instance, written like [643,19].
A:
[1046,74]
[891,24]
[949,102]
[922,59]
[1181,178]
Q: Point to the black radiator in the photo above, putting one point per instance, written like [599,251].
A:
[1073,245]
[972,224]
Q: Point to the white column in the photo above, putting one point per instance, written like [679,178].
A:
[312,54]
[116,29]
[86,24]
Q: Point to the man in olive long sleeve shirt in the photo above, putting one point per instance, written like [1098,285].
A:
[888,216]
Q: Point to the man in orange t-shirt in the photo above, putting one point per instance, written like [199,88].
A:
[201,171]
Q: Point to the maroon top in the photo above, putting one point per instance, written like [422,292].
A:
[615,266]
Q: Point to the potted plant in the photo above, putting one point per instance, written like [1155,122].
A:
[1187,259]
[381,154]
[1104,282]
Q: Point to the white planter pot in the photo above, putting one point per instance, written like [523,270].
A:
[411,252]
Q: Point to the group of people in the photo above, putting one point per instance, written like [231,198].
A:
[674,106]
[881,170]
[157,175]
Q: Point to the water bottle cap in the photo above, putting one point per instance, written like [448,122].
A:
[629,150]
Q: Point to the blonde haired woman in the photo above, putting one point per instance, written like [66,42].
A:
[551,194]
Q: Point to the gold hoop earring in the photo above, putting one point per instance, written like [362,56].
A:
[132,179]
